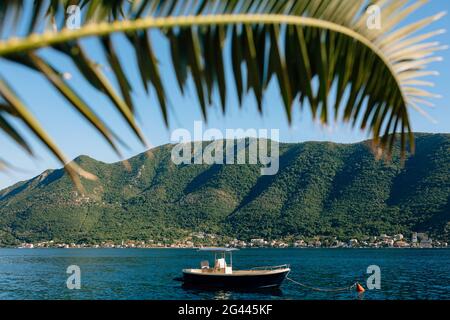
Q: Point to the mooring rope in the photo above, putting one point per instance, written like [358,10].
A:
[323,289]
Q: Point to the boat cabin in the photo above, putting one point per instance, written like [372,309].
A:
[220,260]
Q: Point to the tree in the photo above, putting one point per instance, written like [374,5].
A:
[308,46]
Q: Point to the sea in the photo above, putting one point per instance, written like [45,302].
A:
[389,273]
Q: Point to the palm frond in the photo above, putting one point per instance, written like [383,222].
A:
[308,46]
[3,165]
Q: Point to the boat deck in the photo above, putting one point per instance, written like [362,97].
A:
[234,272]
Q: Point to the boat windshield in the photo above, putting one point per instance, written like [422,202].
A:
[220,260]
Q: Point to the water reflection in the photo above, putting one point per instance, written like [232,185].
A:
[226,294]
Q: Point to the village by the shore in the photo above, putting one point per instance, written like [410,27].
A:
[201,239]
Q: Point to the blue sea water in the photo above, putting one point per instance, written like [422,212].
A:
[150,273]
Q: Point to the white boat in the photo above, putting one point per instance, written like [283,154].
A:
[222,274]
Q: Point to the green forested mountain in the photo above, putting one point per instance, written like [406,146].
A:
[321,188]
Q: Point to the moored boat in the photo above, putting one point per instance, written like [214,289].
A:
[222,274]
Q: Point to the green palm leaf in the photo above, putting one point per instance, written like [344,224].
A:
[309,46]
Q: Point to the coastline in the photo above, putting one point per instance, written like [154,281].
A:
[199,240]
[247,248]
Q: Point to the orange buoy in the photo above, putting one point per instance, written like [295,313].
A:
[359,288]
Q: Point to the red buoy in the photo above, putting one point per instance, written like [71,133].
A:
[359,288]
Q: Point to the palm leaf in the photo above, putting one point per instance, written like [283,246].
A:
[377,73]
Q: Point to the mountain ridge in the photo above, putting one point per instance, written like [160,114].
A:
[321,188]
[85,156]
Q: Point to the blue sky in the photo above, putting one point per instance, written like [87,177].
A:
[76,137]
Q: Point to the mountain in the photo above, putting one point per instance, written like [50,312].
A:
[321,188]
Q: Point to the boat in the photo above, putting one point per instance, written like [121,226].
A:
[222,274]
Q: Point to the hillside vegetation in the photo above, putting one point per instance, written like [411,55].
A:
[321,188]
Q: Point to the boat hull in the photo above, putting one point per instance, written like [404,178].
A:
[232,281]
